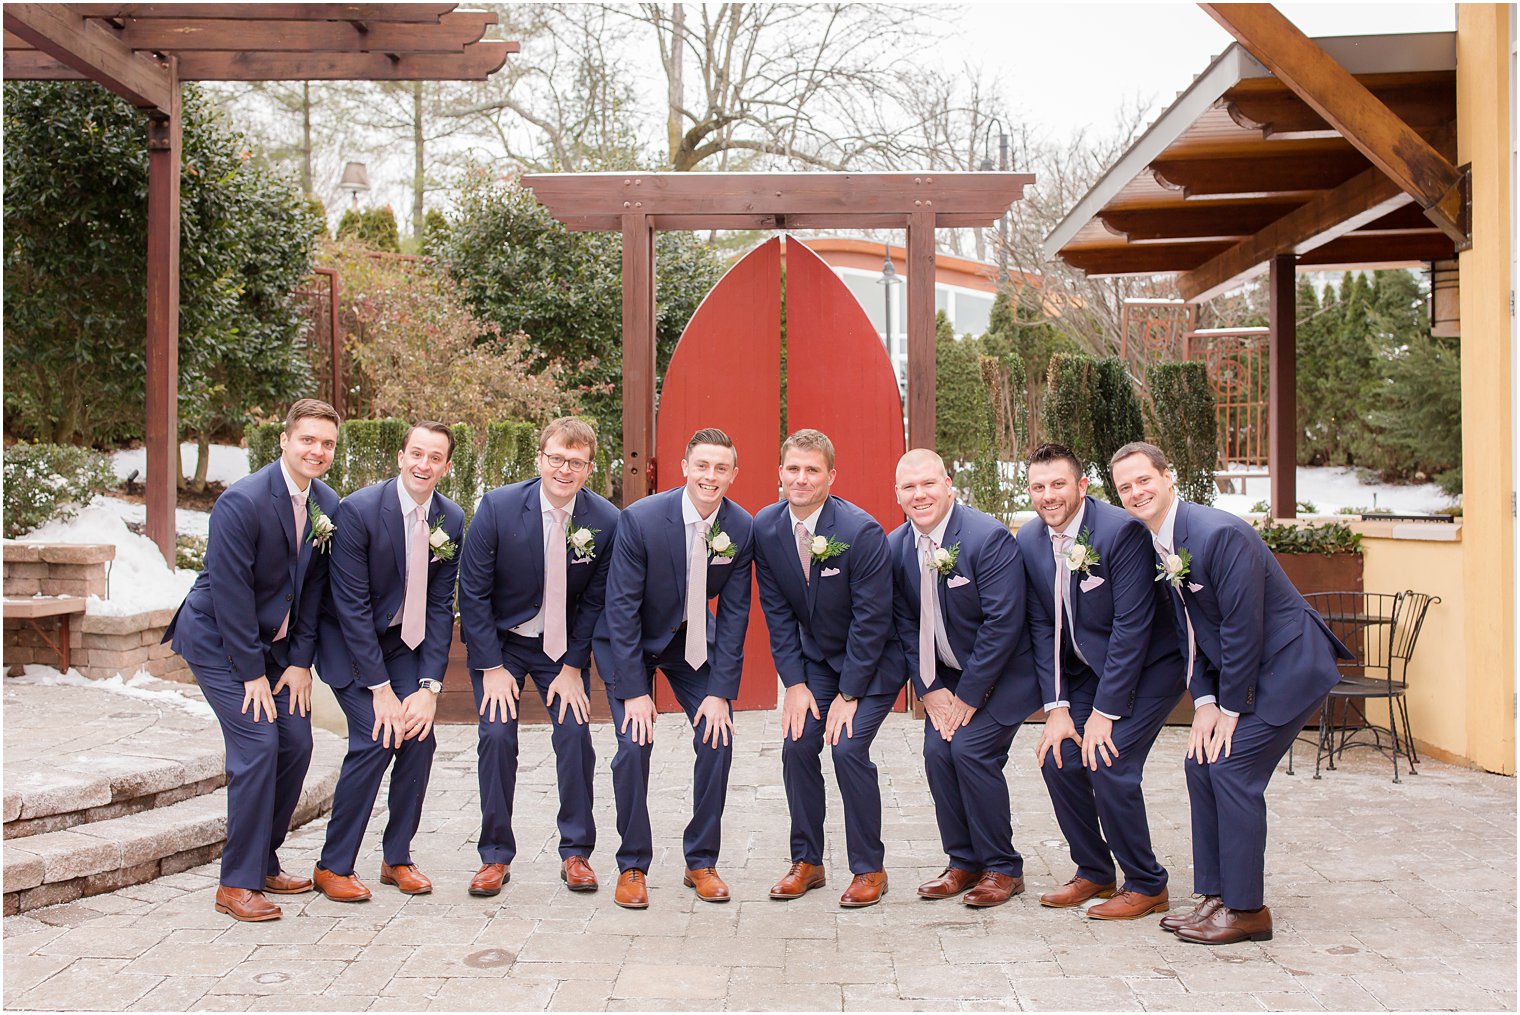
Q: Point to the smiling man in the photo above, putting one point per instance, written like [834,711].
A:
[1110,674]
[826,586]
[251,619]
[675,551]
[959,608]
[532,580]
[1259,660]
[386,631]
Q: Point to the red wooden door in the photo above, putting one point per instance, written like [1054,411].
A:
[726,372]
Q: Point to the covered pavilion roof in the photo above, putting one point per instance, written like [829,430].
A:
[1240,169]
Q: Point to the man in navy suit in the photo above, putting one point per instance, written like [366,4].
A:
[1259,661]
[384,646]
[826,585]
[531,585]
[675,551]
[1110,674]
[959,610]
[251,619]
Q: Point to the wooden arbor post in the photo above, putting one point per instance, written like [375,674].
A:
[164,148]
[1282,392]
[638,357]
[921,365]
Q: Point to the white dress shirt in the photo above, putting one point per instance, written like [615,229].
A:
[534,625]
[1165,539]
[1073,529]
[408,510]
[937,539]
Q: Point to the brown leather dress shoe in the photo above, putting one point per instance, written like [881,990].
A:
[246,905]
[631,892]
[952,881]
[577,874]
[865,890]
[286,884]
[489,879]
[1226,926]
[710,887]
[993,889]
[1075,892]
[798,881]
[1206,905]
[339,887]
[406,877]
[1128,905]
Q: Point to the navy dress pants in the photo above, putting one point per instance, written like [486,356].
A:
[363,769]
[496,753]
[266,766]
[1229,809]
[630,774]
[971,795]
[1102,813]
[802,775]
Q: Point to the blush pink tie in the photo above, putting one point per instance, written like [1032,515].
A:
[926,591]
[1062,543]
[555,638]
[696,599]
[297,505]
[805,552]
[414,613]
[1187,618]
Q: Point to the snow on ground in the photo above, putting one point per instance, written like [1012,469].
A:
[229,463]
[141,684]
[1331,489]
[186,521]
[138,579]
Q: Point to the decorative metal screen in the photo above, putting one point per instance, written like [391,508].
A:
[1236,359]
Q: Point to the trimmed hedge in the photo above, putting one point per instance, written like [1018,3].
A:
[1185,426]
[44,482]
[510,450]
[1091,407]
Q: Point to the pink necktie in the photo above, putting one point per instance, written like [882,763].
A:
[1062,544]
[555,639]
[298,505]
[1187,618]
[926,580]
[696,599]
[414,613]
[805,552]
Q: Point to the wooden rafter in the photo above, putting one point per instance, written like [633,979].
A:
[89,49]
[186,35]
[475,63]
[406,13]
[1347,105]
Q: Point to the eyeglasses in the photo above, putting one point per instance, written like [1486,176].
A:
[576,465]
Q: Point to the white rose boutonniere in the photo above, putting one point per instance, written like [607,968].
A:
[718,542]
[1083,555]
[319,527]
[1175,568]
[826,547]
[443,547]
[945,558]
[582,542]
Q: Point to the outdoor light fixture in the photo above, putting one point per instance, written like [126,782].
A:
[889,278]
[355,179]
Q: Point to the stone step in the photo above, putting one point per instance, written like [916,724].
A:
[101,856]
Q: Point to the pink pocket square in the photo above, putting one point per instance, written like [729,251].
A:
[958,581]
[828,572]
[1194,587]
[1089,583]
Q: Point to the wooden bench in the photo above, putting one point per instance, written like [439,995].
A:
[34,608]
[1225,478]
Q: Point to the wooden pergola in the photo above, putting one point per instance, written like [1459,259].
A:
[1286,151]
[639,204]
[143,51]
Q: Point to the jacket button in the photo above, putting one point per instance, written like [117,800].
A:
[288,597]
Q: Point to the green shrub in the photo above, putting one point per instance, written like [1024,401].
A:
[373,227]
[190,552]
[1185,426]
[462,482]
[511,448]
[44,482]
[263,440]
[367,450]
[1330,539]
[1091,407]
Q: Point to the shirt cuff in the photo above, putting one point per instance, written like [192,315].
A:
[1105,715]
[1232,715]
[1207,699]
[1049,705]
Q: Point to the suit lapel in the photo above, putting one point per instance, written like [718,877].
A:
[393,524]
[285,511]
[533,526]
[675,543]
[952,537]
[825,527]
[787,536]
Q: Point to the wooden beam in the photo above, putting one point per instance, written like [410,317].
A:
[162,430]
[1364,198]
[639,475]
[58,31]
[1144,259]
[185,35]
[405,13]
[1283,115]
[753,220]
[476,63]
[1346,104]
[1282,392]
[1356,249]
[920,329]
[1195,221]
[1259,175]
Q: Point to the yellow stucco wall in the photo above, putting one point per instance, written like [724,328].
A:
[1488,572]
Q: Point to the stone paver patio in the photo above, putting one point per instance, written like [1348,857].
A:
[1396,897]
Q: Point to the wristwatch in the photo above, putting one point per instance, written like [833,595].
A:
[428,684]
[847,697]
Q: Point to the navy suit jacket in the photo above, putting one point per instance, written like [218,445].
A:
[646,595]
[253,578]
[1267,650]
[501,571]
[1123,625]
[842,616]
[368,587]
[984,615]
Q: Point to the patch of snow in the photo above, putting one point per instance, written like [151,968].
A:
[229,463]
[142,685]
[186,521]
[1330,489]
[138,580]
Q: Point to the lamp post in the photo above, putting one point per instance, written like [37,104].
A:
[355,179]
[889,278]
[1002,165]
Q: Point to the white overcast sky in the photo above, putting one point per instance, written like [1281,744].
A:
[1071,64]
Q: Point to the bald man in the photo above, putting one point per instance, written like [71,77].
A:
[959,606]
